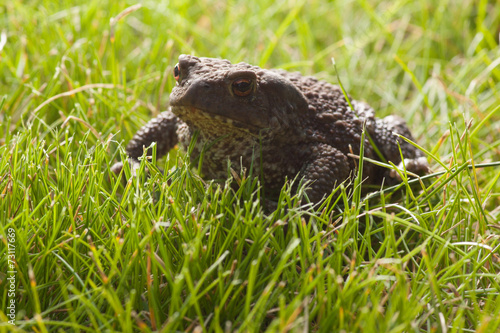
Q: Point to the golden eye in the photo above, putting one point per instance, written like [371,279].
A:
[177,73]
[242,87]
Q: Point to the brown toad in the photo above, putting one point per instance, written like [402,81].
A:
[279,123]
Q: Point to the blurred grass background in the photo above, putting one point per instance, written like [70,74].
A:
[97,255]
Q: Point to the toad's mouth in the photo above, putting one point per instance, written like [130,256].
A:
[209,121]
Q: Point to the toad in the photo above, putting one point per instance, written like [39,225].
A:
[278,123]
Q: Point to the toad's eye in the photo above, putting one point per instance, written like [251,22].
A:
[177,73]
[242,87]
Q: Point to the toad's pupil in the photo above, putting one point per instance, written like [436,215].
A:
[242,85]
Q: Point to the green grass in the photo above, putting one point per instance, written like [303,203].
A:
[171,252]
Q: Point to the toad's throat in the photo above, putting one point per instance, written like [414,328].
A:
[211,122]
